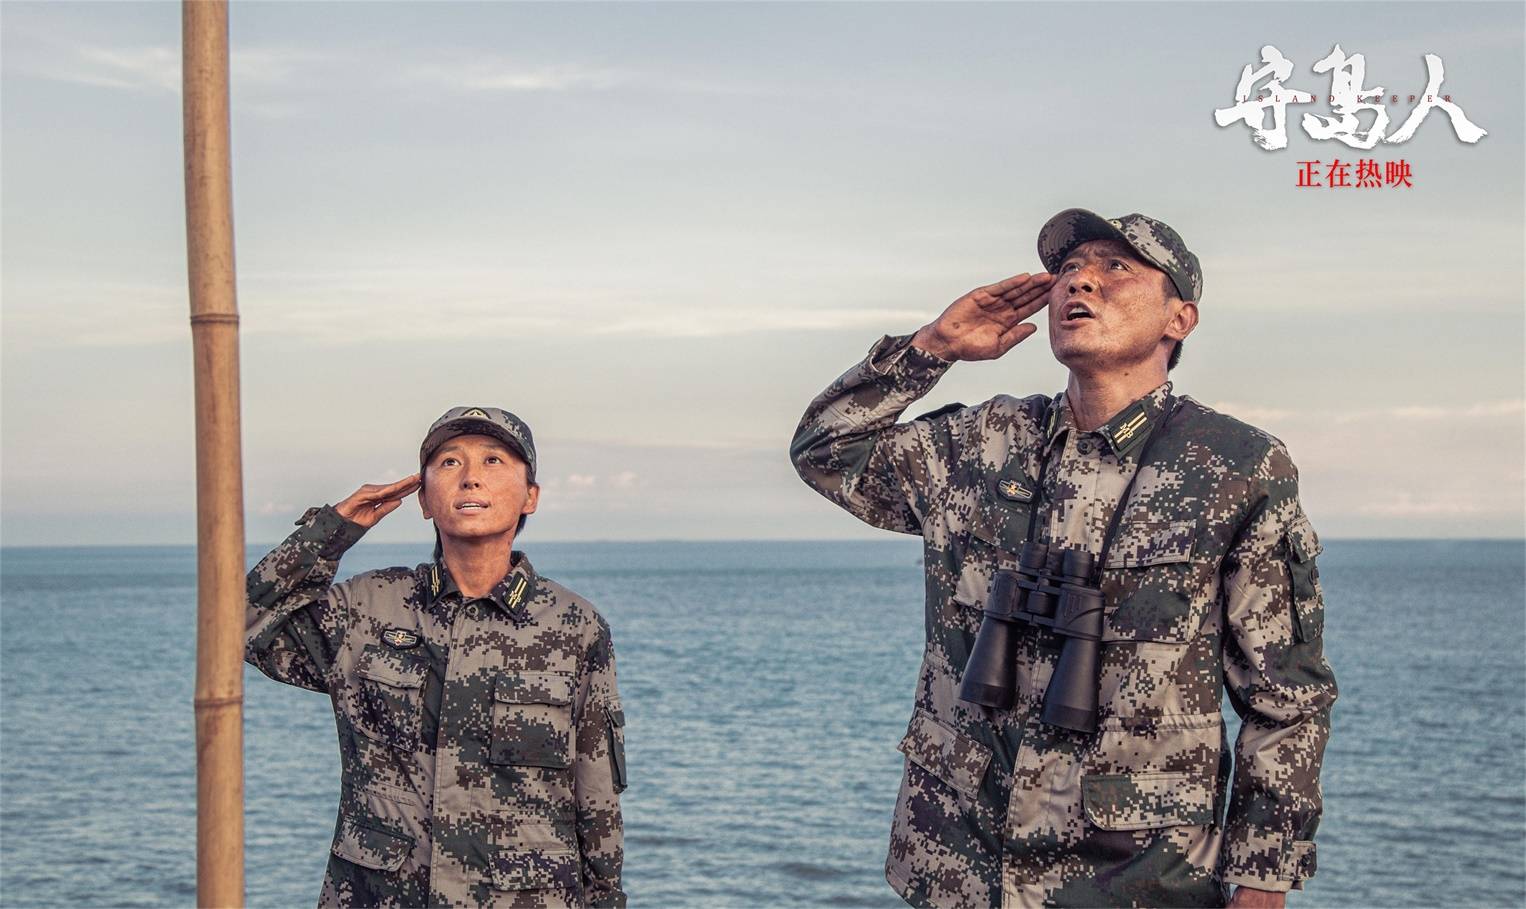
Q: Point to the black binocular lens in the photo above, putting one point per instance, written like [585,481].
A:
[1070,701]
[1052,588]
[990,674]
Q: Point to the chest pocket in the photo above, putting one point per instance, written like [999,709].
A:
[386,703]
[553,869]
[532,719]
[998,528]
[1147,583]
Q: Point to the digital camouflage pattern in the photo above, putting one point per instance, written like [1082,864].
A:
[490,421]
[1154,240]
[1210,585]
[481,741]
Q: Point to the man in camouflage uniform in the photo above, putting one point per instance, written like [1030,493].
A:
[479,723]
[1210,584]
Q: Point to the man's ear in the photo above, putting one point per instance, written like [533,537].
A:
[1182,321]
[423,505]
[532,499]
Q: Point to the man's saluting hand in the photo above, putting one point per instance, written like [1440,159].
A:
[988,321]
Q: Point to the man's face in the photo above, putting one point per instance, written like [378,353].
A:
[475,486]
[1109,309]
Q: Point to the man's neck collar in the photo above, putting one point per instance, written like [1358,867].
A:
[1123,432]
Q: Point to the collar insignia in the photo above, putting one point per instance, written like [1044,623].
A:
[401,638]
[434,579]
[1129,428]
[1013,490]
[517,592]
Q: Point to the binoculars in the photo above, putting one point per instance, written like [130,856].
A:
[1052,588]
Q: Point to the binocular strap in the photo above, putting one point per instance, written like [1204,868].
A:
[1123,501]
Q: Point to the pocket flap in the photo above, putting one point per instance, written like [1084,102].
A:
[984,529]
[955,759]
[1301,858]
[534,688]
[370,847]
[1138,801]
[1005,529]
[1003,510]
[1308,609]
[617,749]
[1303,542]
[396,673]
[1143,543]
[1000,534]
[533,869]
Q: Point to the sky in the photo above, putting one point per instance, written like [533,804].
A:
[656,231]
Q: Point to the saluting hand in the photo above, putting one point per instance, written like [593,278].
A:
[371,503]
[988,321]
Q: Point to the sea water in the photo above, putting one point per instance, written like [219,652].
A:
[766,686]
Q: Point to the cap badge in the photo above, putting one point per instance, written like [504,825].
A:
[401,638]
[476,412]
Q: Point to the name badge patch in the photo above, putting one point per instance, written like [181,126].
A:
[401,638]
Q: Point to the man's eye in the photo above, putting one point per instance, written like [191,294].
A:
[448,462]
[1067,266]
[1119,262]
[493,459]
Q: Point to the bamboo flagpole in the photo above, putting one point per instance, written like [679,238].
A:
[219,468]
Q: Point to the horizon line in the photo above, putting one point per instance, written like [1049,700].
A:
[690,540]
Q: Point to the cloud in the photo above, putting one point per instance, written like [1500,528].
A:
[1404,505]
[1456,40]
[1253,413]
[156,67]
[131,68]
[381,306]
[478,75]
[1257,414]
[604,492]
[70,312]
[704,321]
[1478,409]
[583,482]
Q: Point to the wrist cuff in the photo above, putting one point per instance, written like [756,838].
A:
[894,356]
[331,530]
[1296,864]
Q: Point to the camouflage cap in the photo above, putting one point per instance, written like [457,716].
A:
[1153,240]
[487,421]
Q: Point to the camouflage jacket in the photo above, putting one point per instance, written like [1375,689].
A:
[1210,585]
[489,775]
